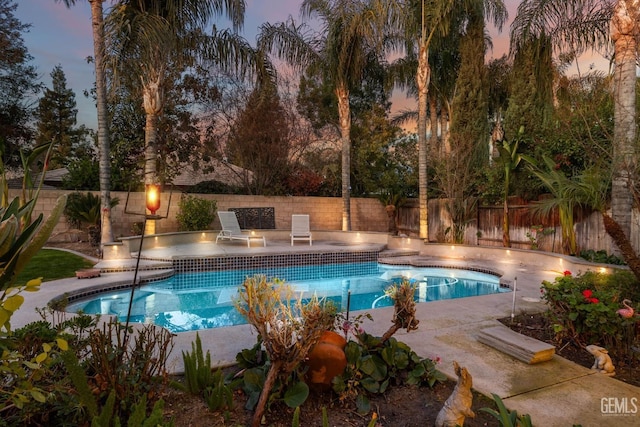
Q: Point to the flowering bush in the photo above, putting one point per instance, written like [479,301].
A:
[537,233]
[583,308]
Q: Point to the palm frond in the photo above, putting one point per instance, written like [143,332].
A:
[572,25]
[404,117]
[289,42]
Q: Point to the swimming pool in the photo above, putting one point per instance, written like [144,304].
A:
[194,301]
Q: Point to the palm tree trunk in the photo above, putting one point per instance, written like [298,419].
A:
[150,157]
[435,149]
[422,80]
[153,101]
[623,32]
[506,237]
[344,114]
[106,232]
[618,236]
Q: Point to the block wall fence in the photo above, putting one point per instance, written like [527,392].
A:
[325,213]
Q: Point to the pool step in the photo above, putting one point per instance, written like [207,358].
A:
[392,253]
[526,349]
[129,264]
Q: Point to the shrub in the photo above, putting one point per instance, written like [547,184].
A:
[83,380]
[583,308]
[84,209]
[83,175]
[215,187]
[288,328]
[373,365]
[601,256]
[195,213]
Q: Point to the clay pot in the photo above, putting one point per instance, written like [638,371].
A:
[326,360]
[334,338]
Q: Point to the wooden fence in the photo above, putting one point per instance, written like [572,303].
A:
[526,230]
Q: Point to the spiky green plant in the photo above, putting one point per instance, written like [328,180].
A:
[506,417]
[197,368]
[219,395]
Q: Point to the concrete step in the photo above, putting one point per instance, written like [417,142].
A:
[396,253]
[129,264]
[526,349]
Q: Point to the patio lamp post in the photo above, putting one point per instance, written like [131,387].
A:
[153,193]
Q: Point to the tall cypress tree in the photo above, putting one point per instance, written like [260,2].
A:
[57,119]
[469,122]
[531,92]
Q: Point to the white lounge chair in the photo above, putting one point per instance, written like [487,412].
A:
[231,229]
[300,228]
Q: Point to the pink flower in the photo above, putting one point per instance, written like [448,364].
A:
[593,300]
[567,273]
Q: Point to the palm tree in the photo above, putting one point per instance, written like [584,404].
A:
[509,158]
[578,25]
[161,34]
[565,199]
[106,233]
[432,17]
[424,22]
[592,191]
[624,31]
[351,32]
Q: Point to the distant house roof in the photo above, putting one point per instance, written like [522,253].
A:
[222,172]
[52,179]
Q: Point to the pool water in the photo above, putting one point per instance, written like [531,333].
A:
[194,301]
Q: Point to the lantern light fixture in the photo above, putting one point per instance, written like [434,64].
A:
[152,195]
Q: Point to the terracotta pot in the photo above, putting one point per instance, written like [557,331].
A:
[326,360]
[332,337]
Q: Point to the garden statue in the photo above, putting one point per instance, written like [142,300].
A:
[628,311]
[603,363]
[458,406]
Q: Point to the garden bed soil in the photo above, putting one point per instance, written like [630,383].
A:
[400,406]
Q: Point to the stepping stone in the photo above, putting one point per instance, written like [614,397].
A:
[526,349]
[88,273]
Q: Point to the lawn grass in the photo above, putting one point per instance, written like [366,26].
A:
[52,264]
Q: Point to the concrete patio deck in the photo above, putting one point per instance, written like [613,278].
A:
[555,393]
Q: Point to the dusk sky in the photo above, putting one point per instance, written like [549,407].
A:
[61,35]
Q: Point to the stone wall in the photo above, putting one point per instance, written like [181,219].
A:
[325,213]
